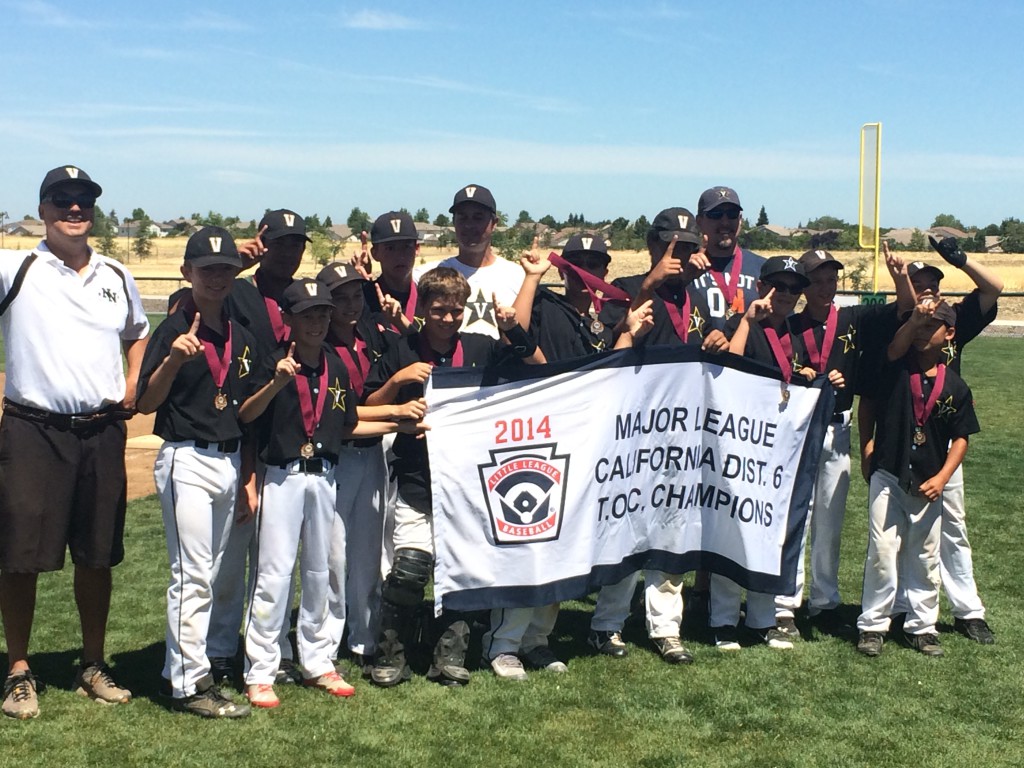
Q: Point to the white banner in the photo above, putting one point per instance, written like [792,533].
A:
[546,488]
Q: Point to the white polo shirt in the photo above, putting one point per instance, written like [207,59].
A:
[63,331]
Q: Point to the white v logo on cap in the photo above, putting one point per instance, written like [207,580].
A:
[341,270]
[723,193]
[311,289]
[72,171]
[684,221]
[289,219]
[919,265]
[396,225]
[820,255]
[587,242]
[470,191]
[215,244]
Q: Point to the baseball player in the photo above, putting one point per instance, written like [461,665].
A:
[762,333]
[677,259]
[307,408]
[925,416]
[361,472]
[67,314]
[475,215]
[973,313]
[199,369]
[390,299]
[398,377]
[254,302]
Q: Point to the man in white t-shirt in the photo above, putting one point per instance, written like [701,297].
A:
[489,276]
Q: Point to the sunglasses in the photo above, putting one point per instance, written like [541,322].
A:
[792,289]
[732,214]
[65,201]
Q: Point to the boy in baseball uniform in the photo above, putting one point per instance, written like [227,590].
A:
[197,372]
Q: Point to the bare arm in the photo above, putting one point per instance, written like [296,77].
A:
[932,487]
[134,350]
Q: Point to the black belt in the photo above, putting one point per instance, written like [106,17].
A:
[308,466]
[71,422]
[228,446]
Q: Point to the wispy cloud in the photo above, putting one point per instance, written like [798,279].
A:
[49,15]
[147,53]
[380,21]
[215,22]
[641,12]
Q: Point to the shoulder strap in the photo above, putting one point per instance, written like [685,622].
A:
[19,278]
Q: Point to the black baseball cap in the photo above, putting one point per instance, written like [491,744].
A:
[212,245]
[585,242]
[783,265]
[474,193]
[338,273]
[305,293]
[716,196]
[393,225]
[676,221]
[66,174]
[282,222]
[919,266]
[811,260]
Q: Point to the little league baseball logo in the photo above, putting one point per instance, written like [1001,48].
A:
[525,492]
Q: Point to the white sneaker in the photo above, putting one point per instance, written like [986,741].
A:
[508,666]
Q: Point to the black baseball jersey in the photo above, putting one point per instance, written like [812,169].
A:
[952,417]
[371,342]
[281,430]
[757,347]
[410,465]
[710,309]
[862,332]
[371,304]
[663,332]
[247,305]
[189,412]
[562,333]
[970,322]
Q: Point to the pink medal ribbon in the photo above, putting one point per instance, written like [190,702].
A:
[819,361]
[353,358]
[219,365]
[311,413]
[782,350]
[429,356]
[679,317]
[273,314]
[592,283]
[923,407]
[731,292]
[409,310]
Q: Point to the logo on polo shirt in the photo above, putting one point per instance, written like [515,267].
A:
[109,294]
[337,395]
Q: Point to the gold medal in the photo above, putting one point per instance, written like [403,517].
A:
[919,436]
[785,393]
[307,451]
[220,401]
[596,326]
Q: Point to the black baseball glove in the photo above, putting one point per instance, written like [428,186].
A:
[949,249]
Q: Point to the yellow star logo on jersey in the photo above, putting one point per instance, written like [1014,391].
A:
[338,393]
[696,322]
[849,339]
[795,362]
[951,351]
[244,363]
[945,408]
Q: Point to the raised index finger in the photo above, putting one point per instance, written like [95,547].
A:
[195,324]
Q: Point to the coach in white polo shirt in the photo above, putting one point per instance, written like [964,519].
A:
[67,314]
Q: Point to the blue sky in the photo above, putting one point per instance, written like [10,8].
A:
[602,108]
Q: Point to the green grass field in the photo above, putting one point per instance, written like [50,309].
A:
[820,704]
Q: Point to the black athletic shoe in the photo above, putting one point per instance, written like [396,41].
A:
[449,667]
[608,643]
[209,702]
[927,643]
[222,670]
[870,643]
[977,630]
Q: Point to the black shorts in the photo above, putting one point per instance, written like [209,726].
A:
[61,489]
